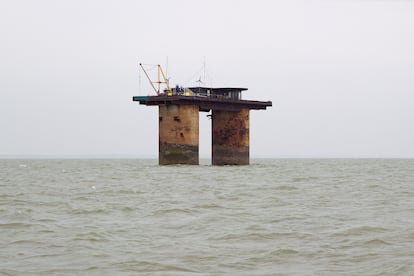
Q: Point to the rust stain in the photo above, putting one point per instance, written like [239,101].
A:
[230,137]
[178,134]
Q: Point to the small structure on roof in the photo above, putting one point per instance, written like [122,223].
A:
[224,93]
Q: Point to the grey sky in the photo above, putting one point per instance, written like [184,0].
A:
[340,73]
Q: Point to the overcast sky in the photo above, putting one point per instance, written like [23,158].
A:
[340,73]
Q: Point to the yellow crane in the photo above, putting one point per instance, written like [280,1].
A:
[162,79]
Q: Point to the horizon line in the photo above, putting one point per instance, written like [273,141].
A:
[151,157]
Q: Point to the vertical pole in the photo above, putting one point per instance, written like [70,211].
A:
[159,80]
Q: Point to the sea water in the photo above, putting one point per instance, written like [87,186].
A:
[274,217]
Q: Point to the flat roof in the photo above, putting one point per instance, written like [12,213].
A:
[217,90]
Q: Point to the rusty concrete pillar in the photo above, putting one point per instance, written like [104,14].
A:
[230,137]
[178,134]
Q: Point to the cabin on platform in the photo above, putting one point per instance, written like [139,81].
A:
[225,93]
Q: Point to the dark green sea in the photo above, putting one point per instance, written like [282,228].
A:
[274,217]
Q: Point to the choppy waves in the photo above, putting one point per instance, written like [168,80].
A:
[275,217]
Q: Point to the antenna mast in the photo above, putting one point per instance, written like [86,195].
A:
[204,68]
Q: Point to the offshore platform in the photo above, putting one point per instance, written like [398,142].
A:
[179,109]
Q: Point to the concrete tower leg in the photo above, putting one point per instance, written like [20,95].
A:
[230,137]
[178,134]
